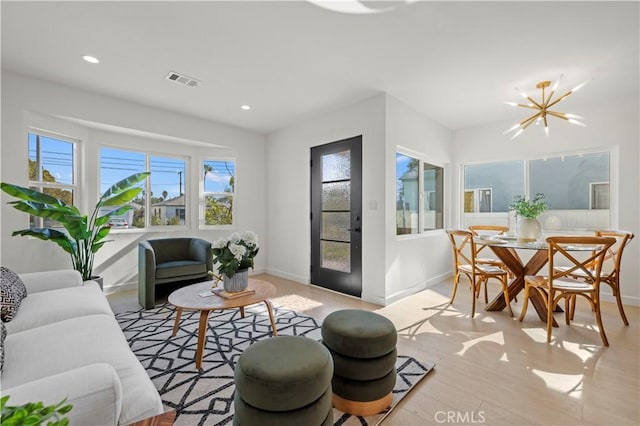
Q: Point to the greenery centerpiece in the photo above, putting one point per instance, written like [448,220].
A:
[233,256]
[529,209]
[83,235]
[528,227]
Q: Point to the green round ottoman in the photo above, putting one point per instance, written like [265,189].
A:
[284,380]
[363,347]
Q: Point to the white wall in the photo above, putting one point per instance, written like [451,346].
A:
[610,125]
[288,203]
[392,267]
[415,262]
[26,101]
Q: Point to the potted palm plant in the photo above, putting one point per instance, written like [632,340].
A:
[527,211]
[83,235]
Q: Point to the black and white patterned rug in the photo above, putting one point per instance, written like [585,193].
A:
[205,397]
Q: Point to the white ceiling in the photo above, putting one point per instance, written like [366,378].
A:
[453,61]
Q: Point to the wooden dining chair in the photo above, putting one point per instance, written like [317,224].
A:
[464,255]
[610,273]
[489,230]
[561,282]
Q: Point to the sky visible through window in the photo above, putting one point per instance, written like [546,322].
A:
[167,174]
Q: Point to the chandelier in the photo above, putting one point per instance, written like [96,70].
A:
[542,109]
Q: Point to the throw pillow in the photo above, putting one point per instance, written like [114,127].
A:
[12,291]
[3,334]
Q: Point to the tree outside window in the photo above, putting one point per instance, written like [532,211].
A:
[219,177]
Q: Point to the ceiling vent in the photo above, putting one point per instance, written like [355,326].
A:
[182,79]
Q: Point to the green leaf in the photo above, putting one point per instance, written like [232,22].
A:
[102,233]
[43,210]
[123,185]
[48,234]
[30,194]
[122,197]
[78,227]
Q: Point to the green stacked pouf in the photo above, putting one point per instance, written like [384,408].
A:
[284,381]
[363,347]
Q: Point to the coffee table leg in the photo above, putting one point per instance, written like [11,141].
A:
[241,311]
[202,332]
[176,325]
[273,323]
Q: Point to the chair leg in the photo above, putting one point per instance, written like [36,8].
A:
[473,299]
[456,278]
[525,303]
[486,294]
[567,308]
[599,320]
[550,307]
[616,290]
[506,295]
[573,307]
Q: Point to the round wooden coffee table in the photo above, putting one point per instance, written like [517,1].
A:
[189,298]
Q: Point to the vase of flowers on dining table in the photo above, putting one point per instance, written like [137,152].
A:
[234,256]
[528,227]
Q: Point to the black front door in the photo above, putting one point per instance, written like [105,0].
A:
[336,216]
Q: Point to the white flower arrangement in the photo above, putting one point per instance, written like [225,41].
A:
[235,252]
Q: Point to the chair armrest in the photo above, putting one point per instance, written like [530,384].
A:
[94,391]
[51,280]
[201,250]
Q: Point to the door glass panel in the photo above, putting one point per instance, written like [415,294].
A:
[336,166]
[335,226]
[336,196]
[335,256]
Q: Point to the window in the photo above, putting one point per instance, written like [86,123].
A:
[52,169]
[571,184]
[164,192]
[419,195]
[219,182]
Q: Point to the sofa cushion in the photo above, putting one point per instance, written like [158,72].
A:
[12,291]
[76,342]
[180,268]
[46,307]
[94,391]
[3,335]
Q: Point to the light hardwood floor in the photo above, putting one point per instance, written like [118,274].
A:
[493,369]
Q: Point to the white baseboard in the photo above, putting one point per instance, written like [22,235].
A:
[412,290]
[286,275]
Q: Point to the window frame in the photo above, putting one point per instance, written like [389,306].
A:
[422,159]
[612,151]
[203,195]
[147,188]
[40,185]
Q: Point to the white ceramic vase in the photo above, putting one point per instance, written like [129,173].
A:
[528,229]
[238,282]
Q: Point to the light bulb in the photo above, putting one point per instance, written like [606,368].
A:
[511,129]
[546,130]
[516,134]
[577,117]
[577,123]
[579,86]
[513,104]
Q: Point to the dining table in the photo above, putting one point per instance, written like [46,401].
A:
[506,249]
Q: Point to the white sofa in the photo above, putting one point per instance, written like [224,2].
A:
[65,342]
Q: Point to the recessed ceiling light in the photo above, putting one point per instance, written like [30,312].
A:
[90,59]
[245,107]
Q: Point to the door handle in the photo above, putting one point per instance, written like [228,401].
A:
[357,229]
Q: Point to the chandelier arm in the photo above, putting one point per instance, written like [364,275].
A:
[544,117]
[558,114]
[527,121]
[559,99]
[529,106]
[534,102]
[549,98]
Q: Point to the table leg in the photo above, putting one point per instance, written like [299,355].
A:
[512,261]
[202,332]
[241,311]
[176,325]
[270,310]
